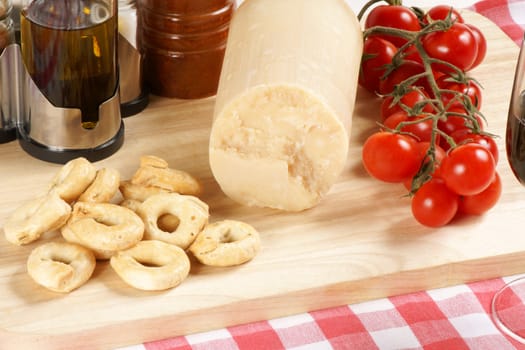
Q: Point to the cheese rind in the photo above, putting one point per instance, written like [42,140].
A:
[285,99]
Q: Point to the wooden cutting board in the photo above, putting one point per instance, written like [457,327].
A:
[360,243]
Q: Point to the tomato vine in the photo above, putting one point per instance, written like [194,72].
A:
[428,54]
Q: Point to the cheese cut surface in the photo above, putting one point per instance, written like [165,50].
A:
[277,146]
[283,108]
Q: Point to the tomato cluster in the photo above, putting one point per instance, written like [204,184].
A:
[432,136]
[462,45]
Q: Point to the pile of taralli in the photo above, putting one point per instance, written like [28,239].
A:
[146,237]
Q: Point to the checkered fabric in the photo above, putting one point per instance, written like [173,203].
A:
[509,15]
[453,318]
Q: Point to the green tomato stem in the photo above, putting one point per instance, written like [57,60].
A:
[440,111]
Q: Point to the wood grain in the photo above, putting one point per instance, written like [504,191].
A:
[360,243]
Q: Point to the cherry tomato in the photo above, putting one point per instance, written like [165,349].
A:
[454,122]
[451,124]
[390,157]
[439,154]
[456,45]
[376,54]
[412,54]
[406,70]
[468,169]
[393,16]
[465,135]
[410,99]
[481,43]
[441,12]
[480,203]
[470,90]
[421,131]
[434,205]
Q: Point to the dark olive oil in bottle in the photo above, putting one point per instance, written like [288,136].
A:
[69,49]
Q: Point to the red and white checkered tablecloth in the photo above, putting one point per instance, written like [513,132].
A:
[453,318]
[509,15]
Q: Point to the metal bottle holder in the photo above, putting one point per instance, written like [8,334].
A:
[56,134]
[134,98]
[49,132]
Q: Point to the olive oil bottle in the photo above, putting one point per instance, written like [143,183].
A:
[69,50]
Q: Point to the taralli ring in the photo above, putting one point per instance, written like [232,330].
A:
[154,161]
[103,188]
[36,217]
[152,265]
[103,226]
[131,204]
[226,243]
[100,254]
[73,179]
[61,266]
[188,214]
[138,192]
[172,180]
[167,222]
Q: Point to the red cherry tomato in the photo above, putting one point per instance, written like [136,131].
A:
[434,205]
[421,130]
[412,54]
[390,157]
[423,148]
[470,90]
[393,16]
[406,70]
[456,120]
[480,203]
[481,43]
[408,100]
[456,45]
[441,12]
[439,153]
[466,136]
[468,169]
[451,124]
[376,54]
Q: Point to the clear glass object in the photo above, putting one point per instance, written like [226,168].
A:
[5,8]
[69,50]
[71,103]
[508,309]
[508,304]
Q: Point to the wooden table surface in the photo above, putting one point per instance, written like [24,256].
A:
[360,243]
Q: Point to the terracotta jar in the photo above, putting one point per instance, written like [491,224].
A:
[182,44]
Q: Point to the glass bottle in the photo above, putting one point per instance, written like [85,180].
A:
[7,37]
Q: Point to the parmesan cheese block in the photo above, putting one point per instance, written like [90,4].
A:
[284,103]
